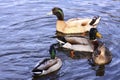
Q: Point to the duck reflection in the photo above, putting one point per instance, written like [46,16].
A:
[100,69]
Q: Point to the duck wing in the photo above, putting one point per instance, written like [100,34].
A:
[83,23]
[45,64]
[78,22]
[77,40]
[73,40]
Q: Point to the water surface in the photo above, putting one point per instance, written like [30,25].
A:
[26,31]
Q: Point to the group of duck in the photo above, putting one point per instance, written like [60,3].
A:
[87,41]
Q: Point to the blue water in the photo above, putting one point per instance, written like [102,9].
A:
[26,31]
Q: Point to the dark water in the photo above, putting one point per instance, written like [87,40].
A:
[25,32]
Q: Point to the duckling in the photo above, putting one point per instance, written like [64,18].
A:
[82,44]
[101,55]
[74,25]
[48,65]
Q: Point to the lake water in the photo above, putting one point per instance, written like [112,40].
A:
[26,31]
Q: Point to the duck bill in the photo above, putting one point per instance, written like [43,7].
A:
[98,35]
[49,13]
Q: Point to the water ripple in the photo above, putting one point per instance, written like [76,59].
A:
[25,32]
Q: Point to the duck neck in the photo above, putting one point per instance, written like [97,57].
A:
[60,25]
[95,43]
[60,15]
[52,52]
[52,55]
[102,51]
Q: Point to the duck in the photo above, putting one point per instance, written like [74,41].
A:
[82,44]
[74,25]
[75,43]
[48,65]
[101,55]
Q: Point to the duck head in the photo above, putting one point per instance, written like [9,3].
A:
[52,51]
[93,34]
[58,12]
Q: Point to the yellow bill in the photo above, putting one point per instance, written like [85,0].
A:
[98,35]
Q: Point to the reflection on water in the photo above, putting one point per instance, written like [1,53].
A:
[99,69]
[25,37]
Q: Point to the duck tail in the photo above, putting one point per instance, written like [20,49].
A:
[67,45]
[37,71]
[61,39]
[95,20]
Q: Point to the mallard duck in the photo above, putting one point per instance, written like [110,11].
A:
[75,43]
[48,65]
[80,43]
[101,55]
[74,25]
